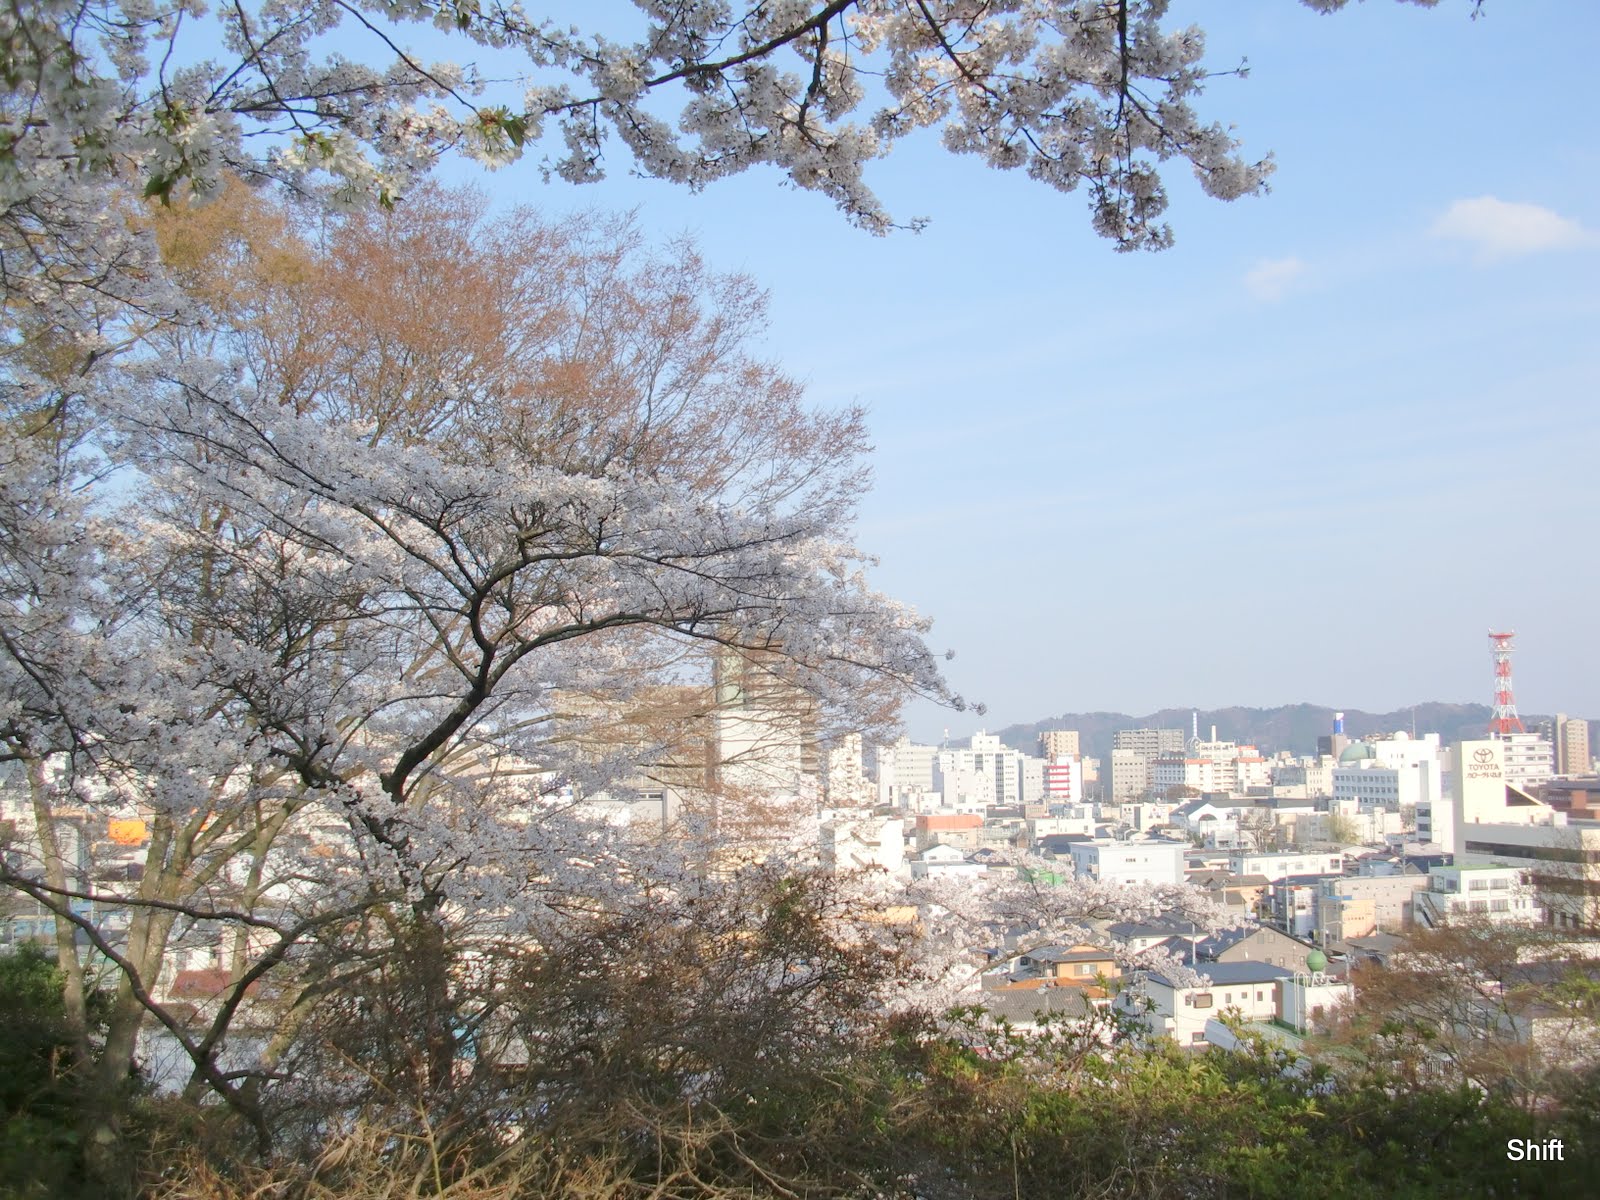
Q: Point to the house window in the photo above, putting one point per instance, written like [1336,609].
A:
[1201,1000]
[1197,1037]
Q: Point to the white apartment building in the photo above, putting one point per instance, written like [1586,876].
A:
[903,770]
[1198,774]
[1129,862]
[1001,763]
[1479,891]
[760,753]
[1370,785]
[1294,906]
[1281,865]
[1529,759]
[1211,767]
[863,843]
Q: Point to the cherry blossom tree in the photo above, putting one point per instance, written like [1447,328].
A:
[348,608]
[166,95]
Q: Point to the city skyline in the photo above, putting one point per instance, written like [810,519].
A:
[453,671]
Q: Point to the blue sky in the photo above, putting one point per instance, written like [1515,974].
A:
[1311,453]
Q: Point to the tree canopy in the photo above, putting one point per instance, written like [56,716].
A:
[1079,93]
[350,589]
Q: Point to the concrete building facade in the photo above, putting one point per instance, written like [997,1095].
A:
[1529,759]
[1129,862]
[1129,776]
[1572,745]
[1148,743]
[1059,743]
[1478,891]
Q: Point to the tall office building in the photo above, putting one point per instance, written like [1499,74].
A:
[1501,825]
[1059,743]
[1572,745]
[1148,743]
[1129,776]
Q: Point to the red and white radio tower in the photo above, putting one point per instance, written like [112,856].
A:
[1505,720]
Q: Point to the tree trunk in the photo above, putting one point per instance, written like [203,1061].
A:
[110,1085]
[55,875]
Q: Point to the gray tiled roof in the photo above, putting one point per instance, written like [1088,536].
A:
[1025,1004]
[1225,974]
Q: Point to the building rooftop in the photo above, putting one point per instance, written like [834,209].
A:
[1224,974]
[1159,929]
[1244,972]
[1226,939]
[1477,867]
[1067,954]
[1028,1004]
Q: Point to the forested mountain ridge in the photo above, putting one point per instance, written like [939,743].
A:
[1292,727]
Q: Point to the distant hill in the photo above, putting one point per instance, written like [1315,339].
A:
[1292,727]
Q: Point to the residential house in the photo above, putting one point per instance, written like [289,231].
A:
[1027,1010]
[944,861]
[1180,1009]
[1253,943]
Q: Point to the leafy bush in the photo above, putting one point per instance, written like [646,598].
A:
[37,1107]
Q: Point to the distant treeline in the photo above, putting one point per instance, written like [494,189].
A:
[1292,727]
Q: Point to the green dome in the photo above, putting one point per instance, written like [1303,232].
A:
[1316,961]
[1356,752]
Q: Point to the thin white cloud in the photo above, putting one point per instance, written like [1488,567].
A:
[1272,278]
[1505,229]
